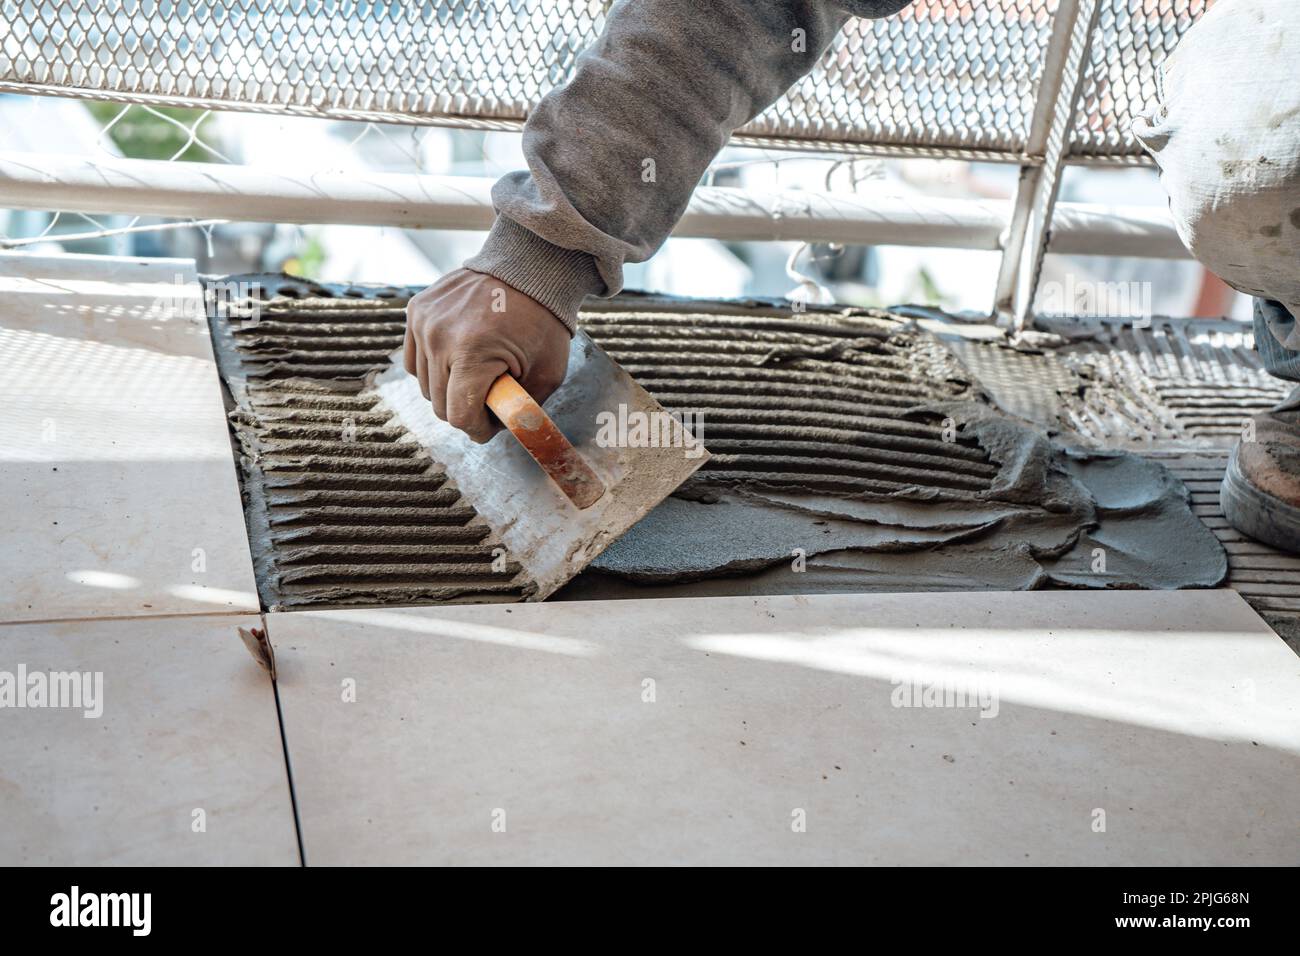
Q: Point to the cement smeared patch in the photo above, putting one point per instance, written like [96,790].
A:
[1052,515]
[1146,535]
[683,539]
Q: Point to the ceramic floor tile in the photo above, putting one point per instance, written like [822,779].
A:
[115,461]
[181,720]
[1100,728]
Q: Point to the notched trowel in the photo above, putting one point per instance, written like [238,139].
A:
[560,484]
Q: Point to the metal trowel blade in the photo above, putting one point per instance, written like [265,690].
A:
[640,451]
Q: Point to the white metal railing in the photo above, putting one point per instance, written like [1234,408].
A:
[215,192]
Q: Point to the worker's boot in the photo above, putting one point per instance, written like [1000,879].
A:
[1261,490]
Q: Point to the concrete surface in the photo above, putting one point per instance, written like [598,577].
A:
[115,460]
[183,764]
[1108,728]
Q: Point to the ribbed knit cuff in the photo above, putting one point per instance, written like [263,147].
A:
[556,277]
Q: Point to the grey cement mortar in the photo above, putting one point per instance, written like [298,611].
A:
[1038,525]
[1145,525]
[1041,523]
[682,539]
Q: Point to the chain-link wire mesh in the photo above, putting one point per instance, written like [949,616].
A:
[163,135]
[1132,40]
[942,74]
[953,77]
[186,140]
[475,58]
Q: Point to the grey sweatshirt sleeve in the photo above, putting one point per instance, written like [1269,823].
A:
[614,155]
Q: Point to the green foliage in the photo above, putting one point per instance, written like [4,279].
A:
[309,260]
[930,288]
[142,135]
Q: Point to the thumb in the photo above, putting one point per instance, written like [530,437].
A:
[467,388]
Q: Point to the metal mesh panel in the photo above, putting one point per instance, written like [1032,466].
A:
[488,58]
[946,76]
[1132,40]
[943,73]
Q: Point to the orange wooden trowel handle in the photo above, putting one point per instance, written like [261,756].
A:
[544,441]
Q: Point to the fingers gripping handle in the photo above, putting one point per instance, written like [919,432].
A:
[544,441]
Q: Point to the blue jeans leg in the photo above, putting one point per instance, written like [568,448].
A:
[1273,324]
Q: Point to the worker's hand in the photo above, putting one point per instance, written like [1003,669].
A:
[468,328]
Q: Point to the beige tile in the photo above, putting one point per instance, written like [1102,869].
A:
[115,465]
[188,722]
[1174,713]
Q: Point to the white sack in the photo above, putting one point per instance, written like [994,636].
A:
[1226,135]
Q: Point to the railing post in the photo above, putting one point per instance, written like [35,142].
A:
[1046,146]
